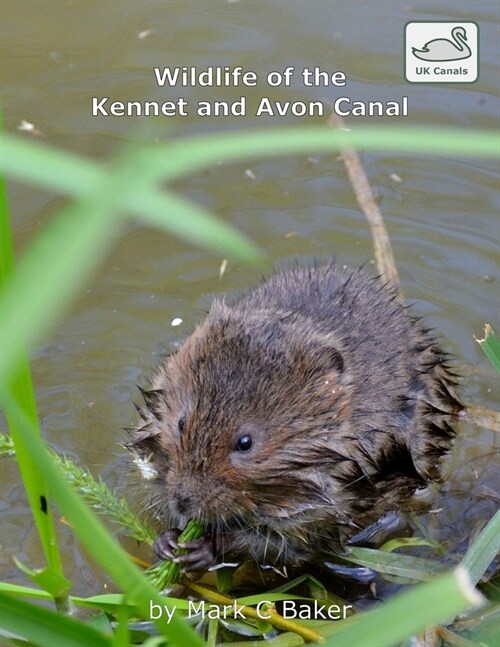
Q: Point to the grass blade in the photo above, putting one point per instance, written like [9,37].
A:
[484,549]
[52,270]
[21,386]
[46,628]
[413,568]
[46,166]
[191,222]
[491,346]
[186,156]
[70,175]
[64,254]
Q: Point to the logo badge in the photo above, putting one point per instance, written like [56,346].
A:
[441,52]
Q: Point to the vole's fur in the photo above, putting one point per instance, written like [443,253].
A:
[346,399]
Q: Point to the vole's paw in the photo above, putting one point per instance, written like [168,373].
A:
[390,522]
[165,544]
[200,555]
[361,574]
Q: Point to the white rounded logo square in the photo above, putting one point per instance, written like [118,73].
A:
[441,52]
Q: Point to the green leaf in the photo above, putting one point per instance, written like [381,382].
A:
[413,568]
[224,579]
[46,579]
[185,156]
[193,223]
[70,175]
[108,602]
[43,165]
[52,270]
[101,622]
[21,386]
[23,591]
[46,628]
[64,254]
[405,542]
[122,633]
[491,346]
[484,549]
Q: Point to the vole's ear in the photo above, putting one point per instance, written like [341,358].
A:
[154,400]
[330,358]
[321,369]
[144,438]
[144,441]
[319,357]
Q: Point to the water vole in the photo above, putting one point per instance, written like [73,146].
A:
[294,417]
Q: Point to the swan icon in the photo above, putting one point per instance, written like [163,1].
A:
[442,49]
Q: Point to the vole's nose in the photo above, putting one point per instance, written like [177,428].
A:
[183,502]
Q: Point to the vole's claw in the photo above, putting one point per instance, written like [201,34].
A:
[165,544]
[201,554]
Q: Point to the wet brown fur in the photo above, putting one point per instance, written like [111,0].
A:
[347,398]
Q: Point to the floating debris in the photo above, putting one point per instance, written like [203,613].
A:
[222,268]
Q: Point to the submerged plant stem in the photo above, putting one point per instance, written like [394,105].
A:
[384,256]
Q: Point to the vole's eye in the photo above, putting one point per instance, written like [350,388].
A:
[244,443]
[181,425]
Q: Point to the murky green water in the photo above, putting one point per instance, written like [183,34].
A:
[442,216]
